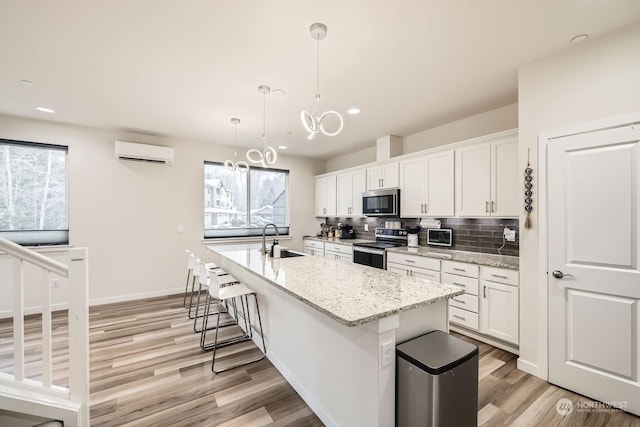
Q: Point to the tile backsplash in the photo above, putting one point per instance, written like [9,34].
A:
[469,234]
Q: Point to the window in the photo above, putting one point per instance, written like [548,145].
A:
[33,193]
[241,204]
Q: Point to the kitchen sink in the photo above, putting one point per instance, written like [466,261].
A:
[286,253]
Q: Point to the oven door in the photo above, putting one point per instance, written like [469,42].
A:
[371,257]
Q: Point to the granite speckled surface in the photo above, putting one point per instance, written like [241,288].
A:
[351,294]
[500,261]
[338,241]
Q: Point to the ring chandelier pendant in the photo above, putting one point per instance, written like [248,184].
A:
[235,165]
[314,122]
[264,155]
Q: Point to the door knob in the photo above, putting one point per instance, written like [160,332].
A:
[559,274]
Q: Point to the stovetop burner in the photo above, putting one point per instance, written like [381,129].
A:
[380,245]
[387,238]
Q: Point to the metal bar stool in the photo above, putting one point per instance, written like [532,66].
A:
[230,292]
[203,276]
[192,264]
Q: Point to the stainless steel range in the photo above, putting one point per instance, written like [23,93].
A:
[374,254]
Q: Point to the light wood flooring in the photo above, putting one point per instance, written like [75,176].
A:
[147,369]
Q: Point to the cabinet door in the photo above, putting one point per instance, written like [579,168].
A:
[358,181]
[473,180]
[440,184]
[321,196]
[374,178]
[390,176]
[331,196]
[345,194]
[394,268]
[423,273]
[499,313]
[413,185]
[506,188]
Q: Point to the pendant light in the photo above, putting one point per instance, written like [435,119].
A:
[313,122]
[235,165]
[264,155]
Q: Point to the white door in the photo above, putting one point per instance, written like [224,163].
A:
[593,240]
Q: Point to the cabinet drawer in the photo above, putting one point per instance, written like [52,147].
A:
[463,317]
[466,301]
[314,244]
[460,268]
[423,273]
[470,285]
[500,275]
[342,249]
[414,261]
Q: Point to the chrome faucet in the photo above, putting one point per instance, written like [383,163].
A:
[264,230]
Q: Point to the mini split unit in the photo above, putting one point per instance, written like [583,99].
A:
[144,152]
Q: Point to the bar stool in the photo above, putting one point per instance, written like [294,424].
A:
[230,292]
[192,264]
[203,276]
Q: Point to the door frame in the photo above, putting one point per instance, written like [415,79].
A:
[544,139]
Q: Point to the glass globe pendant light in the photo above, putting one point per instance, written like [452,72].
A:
[235,165]
[314,122]
[264,155]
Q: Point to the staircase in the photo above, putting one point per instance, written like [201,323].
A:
[38,397]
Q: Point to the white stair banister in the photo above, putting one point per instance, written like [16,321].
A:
[18,320]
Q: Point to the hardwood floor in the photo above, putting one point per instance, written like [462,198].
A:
[147,369]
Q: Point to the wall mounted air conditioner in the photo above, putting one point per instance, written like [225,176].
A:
[144,152]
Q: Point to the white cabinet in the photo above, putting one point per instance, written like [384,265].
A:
[499,304]
[427,185]
[350,186]
[486,179]
[326,196]
[412,265]
[338,251]
[383,175]
[313,247]
[463,310]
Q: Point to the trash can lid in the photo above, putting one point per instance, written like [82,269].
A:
[436,352]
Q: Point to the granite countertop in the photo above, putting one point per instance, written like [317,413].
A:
[338,241]
[351,294]
[489,260]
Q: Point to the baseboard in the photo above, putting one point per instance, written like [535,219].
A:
[511,348]
[529,368]
[98,301]
[304,394]
[132,297]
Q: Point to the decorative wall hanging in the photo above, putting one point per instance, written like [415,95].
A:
[528,200]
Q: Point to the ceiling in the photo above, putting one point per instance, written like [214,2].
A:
[184,69]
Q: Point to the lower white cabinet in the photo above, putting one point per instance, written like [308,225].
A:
[500,304]
[336,251]
[464,309]
[412,265]
[313,247]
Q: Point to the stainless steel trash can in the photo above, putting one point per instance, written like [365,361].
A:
[436,382]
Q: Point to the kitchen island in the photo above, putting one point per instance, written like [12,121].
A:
[326,322]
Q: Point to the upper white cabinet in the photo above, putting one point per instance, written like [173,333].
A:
[486,179]
[383,175]
[427,185]
[326,196]
[350,186]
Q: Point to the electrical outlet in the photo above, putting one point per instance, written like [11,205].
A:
[386,354]
[366,227]
[509,235]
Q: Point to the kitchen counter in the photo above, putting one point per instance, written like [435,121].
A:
[351,294]
[489,260]
[325,322]
[335,240]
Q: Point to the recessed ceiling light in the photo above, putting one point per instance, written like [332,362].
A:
[45,110]
[579,38]
[282,147]
[353,110]
[27,82]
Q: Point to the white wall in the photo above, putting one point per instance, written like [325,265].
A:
[127,213]
[596,79]
[492,121]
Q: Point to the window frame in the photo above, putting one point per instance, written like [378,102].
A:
[250,233]
[42,237]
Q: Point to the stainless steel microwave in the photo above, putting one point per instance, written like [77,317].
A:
[381,202]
